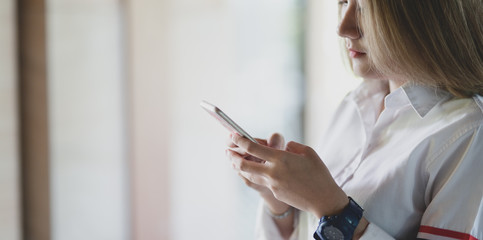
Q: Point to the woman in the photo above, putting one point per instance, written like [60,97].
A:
[406,145]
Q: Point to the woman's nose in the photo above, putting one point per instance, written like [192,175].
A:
[348,25]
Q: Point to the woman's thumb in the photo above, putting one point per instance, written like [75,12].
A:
[276,141]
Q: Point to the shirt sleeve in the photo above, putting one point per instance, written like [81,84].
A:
[266,229]
[455,189]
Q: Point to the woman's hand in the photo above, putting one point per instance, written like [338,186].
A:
[296,175]
[276,141]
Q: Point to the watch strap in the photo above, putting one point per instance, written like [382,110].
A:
[346,222]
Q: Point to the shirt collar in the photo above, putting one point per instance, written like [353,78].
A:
[479,100]
[421,98]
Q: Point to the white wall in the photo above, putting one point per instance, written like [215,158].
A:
[149,122]
[89,185]
[10,217]
[240,55]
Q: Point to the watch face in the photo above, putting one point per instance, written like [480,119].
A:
[332,233]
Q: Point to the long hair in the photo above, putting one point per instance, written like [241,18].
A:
[431,42]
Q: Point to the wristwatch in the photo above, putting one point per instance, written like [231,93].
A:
[342,226]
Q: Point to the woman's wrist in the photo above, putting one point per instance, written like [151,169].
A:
[281,215]
[276,207]
[273,204]
[332,206]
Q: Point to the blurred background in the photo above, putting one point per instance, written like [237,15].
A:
[101,133]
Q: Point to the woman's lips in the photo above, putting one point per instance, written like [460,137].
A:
[355,54]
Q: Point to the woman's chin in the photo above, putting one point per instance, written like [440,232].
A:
[364,70]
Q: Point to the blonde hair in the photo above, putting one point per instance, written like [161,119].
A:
[432,42]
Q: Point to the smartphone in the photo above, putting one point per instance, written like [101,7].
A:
[225,120]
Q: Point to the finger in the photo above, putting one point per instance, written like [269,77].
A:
[255,181]
[238,150]
[229,141]
[247,182]
[262,141]
[230,144]
[260,151]
[245,165]
[250,184]
[245,155]
[276,141]
[299,148]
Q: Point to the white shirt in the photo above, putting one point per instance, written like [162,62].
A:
[416,169]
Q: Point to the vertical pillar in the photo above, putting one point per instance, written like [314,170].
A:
[34,119]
